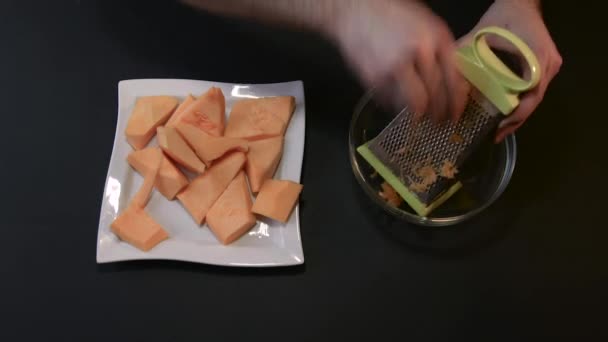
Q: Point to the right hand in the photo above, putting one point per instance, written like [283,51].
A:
[404,50]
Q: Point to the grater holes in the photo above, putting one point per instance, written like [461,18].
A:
[406,145]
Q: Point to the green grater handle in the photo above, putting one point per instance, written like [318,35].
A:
[490,75]
[507,77]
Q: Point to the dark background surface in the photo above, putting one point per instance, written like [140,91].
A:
[534,265]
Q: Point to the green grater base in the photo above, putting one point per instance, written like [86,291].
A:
[407,195]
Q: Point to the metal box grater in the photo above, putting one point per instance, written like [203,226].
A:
[419,158]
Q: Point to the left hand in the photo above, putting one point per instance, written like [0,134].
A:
[523,18]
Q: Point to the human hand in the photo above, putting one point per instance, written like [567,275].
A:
[523,18]
[404,50]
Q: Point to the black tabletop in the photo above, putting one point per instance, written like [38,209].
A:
[533,265]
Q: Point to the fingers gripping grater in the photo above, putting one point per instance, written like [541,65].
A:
[419,158]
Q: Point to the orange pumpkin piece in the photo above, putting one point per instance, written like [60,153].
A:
[231,217]
[149,113]
[200,195]
[134,225]
[170,179]
[143,195]
[389,194]
[174,145]
[276,199]
[261,118]
[207,112]
[137,228]
[180,109]
[208,147]
[262,160]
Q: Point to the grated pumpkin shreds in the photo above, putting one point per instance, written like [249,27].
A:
[448,170]
[456,139]
[390,195]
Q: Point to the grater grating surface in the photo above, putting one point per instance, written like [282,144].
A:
[419,152]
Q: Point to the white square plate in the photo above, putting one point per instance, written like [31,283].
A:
[269,243]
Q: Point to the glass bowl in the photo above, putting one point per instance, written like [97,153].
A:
[484,177]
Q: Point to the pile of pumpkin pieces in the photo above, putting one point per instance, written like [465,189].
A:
[227,163]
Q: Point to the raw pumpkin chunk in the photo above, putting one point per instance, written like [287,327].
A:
[137,228]
[203,191]
[174,145]
[149,112]
[180,109]
[281,106]
[230,217]
[276,199]
[170,179]
[143,195]
[208,113]
[261,118]
[262,160]
[134,225]
[208,147]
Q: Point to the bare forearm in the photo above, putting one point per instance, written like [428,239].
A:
[309,14]
[535,3]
